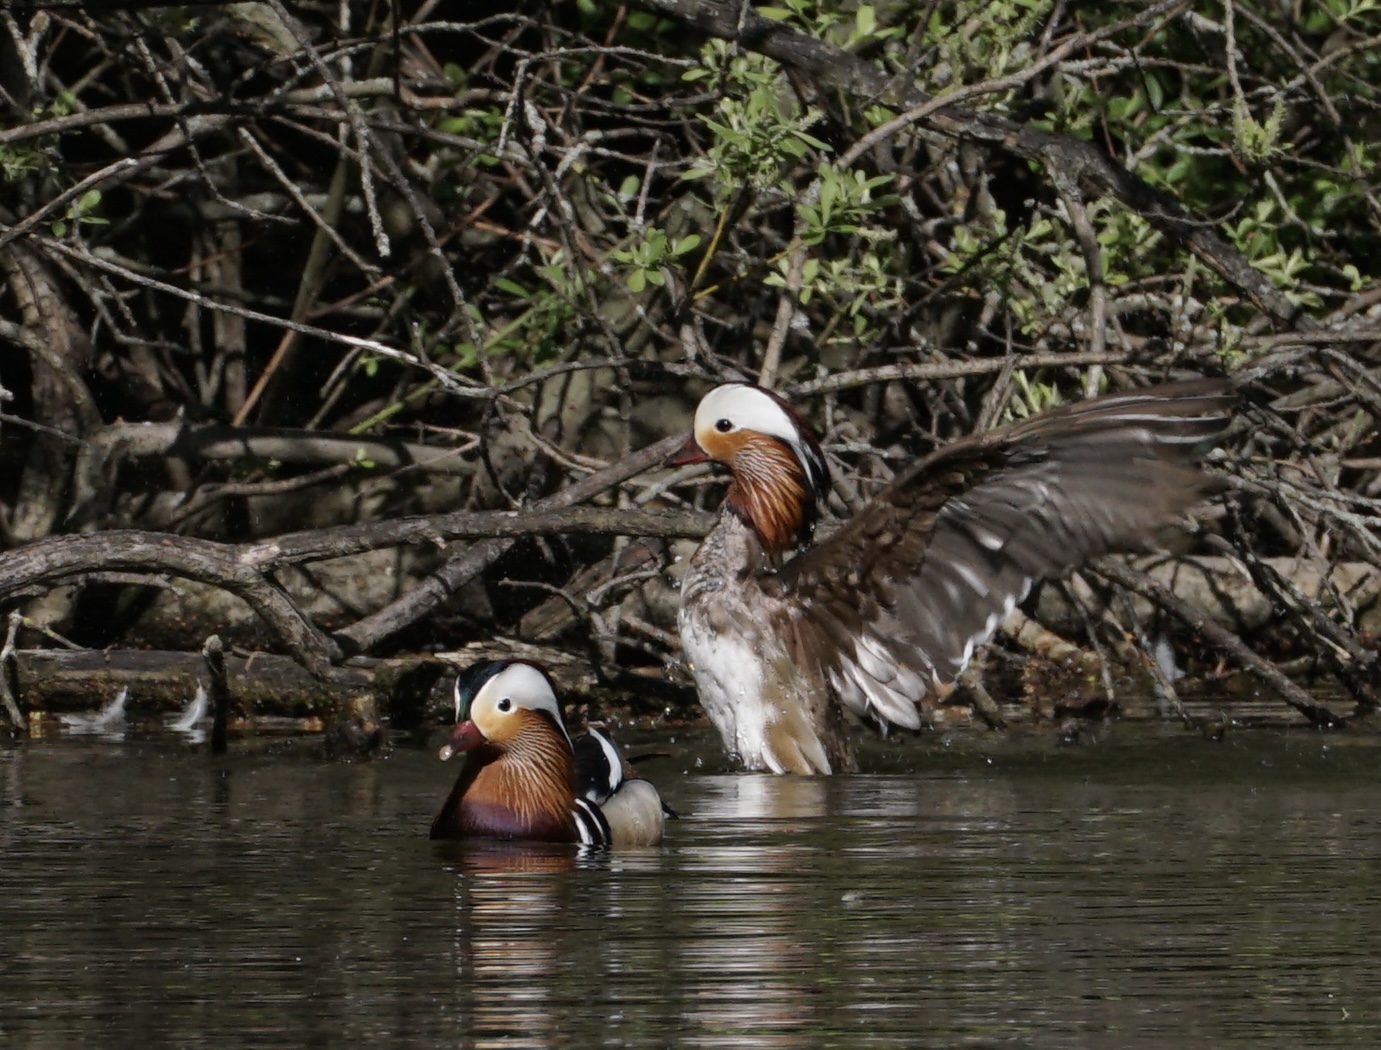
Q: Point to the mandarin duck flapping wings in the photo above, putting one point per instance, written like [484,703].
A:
[885,613]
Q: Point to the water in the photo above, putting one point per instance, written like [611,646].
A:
[1130,892]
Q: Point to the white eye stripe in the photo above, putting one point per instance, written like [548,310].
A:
[745,407]
[520,685]
[755,411]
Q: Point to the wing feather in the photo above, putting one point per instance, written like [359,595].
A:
[894,603]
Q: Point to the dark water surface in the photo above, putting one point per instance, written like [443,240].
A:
[1161,892]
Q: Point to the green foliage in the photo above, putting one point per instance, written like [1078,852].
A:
[1034,397]
[1289,186]
[827,21]
[1255,140]
[482,125]
[645,259]
[854,283]
[979,40]
[540,331]
[21,159]
[759,178]
[759,133]
[646,171]
[758,137]
[1257,236]
[81,212]
[1365,13]
[845,204]
[18,161]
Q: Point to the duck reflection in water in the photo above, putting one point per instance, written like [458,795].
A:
[748,948]
[748,931]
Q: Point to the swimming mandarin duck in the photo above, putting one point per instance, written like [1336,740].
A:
[524,777]
[880,618]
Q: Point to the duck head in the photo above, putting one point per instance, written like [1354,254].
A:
[778,470]
[505,705]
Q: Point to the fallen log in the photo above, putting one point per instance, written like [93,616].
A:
[62,681]
[408,691]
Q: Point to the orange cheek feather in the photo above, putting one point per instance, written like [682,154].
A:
[723,448]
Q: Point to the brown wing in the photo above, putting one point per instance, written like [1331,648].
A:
[894,603]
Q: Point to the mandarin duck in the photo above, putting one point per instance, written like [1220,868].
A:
[879,619]
[525,778]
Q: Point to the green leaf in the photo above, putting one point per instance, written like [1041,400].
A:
[511,287]
[811,140]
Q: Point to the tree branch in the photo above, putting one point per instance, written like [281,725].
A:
[1222,639]
[245,570]
[468,564]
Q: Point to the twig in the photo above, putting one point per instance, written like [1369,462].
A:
[111,446]
[213,652]
[465,566]
[88,118]
[60,367]
[354,118]
[1223,639]
[7,674]
[788,302]
[447,379]
[1360,675]
[120,171]
[285,354]
[322,223]
[1087,236]
[953,370]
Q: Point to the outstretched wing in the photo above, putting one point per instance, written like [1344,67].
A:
[894,603]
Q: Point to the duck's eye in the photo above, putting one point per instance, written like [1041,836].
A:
[724,426]
[505,704]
